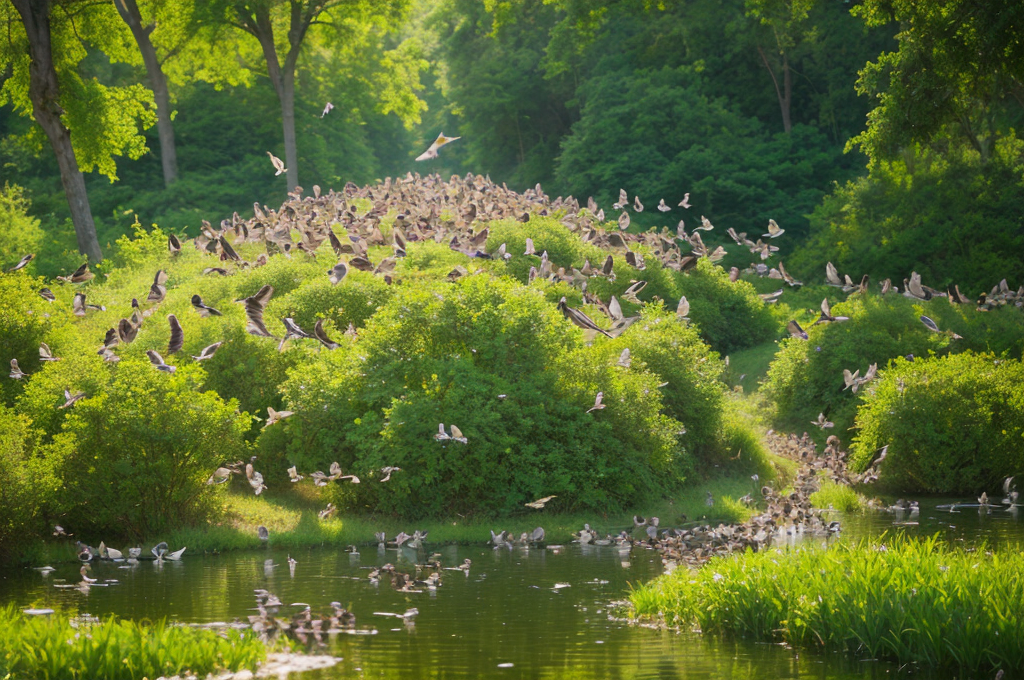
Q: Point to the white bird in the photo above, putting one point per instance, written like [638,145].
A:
[685,203]
[597,403]
[438,143]
[327,109]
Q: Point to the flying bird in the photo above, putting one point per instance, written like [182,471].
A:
[291,330]
[624,359]
[47,294]
[71,399]
[685,203]
[337,273]
[276,416]
[173,244]
[539,503]
[278,164]
[208,351]
[387,471]
[773,230]
[203,309]
[327,109]
[796,331]
[80,275]
[45,354]
[22,263]
[933,327]
[157,291]
[438,143]
[158,362]
[177,335]
[662,207]
[321,335]
[16,372]
[822,422]
[580,319]
[254,311]
[597,403]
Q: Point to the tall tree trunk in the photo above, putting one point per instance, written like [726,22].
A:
[44,93]
[129,11]
[291,152]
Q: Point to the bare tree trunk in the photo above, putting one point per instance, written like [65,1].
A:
[291,152]
[785,94]
[44,93]
[129,11]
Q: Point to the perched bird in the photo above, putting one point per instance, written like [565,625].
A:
[539,503]
[16,372]
[278,164]
[597,403]
[294,475]
[438,143]
[208,351]
[158,362]
[263,533]
[203,309]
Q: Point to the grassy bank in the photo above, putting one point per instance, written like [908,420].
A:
[291,517]
[838,497]
[52,648]
[908,601]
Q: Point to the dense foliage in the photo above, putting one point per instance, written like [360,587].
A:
[806,376]
[953,424]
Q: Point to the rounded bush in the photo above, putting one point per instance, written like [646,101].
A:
[144,447]
[495,359]
[953,424]
[806,376]
[24,480]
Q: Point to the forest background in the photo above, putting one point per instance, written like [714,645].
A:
[880,135]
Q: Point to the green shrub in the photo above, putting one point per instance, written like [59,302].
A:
[25,481]
[837,497]
[19,233]
[806,376]
[660,343]
[495,359]
[953,424]
[729,316]
[144,447]
[25,319]
[947,215]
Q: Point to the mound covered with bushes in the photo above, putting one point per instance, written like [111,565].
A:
[424,323]
[953,424]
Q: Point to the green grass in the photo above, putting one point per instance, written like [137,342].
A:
[751,363]
[53,647]
[909,601]
[837,497]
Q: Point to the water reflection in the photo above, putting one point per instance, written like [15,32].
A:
[504,618]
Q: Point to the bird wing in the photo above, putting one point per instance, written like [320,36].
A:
[177,335]
[155,358]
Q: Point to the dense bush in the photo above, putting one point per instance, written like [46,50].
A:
[25,319]
[953,424]
[144,448]
[24,480]
[19,233]
[495,359]
[806,376]
[948,216]
[730,316]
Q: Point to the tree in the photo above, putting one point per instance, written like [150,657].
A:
[43,58]
[265,20]
[959,68]
[172,30]
[787,21]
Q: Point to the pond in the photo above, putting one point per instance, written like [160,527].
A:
[524,613]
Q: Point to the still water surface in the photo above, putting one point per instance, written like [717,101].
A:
[505,619]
